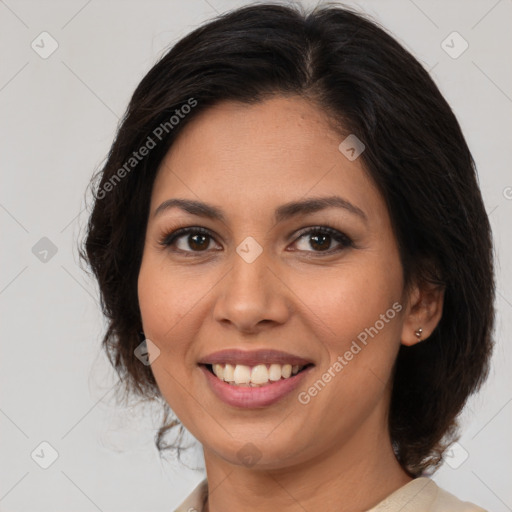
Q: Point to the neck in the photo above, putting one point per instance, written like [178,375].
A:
[342,478]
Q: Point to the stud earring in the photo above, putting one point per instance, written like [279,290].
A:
[418,333]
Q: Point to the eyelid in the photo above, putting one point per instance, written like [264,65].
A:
[169,237]
[333,232]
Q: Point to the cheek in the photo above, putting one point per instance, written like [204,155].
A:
[356,314]
[174,303]
[165,298]
[164,301]
[354,311]
[348,299]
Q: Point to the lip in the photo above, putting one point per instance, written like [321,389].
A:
[252,398]
[253,357]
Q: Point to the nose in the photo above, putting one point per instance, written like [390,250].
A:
[252,297]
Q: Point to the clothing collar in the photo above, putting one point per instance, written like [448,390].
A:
[421,494]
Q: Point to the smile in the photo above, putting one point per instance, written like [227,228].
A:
[255,376]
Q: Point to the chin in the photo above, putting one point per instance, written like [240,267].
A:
[258,452]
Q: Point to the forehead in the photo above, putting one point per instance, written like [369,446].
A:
[253,156]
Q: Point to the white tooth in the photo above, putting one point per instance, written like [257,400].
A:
[295,369]
[259,374]
[229,371]
[274,372]
[242,374]
[218,370]
[286,371]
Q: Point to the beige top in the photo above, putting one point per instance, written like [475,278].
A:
[419,495]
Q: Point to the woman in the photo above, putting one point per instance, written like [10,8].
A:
[289,222]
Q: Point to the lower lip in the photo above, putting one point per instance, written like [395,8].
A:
[249,397]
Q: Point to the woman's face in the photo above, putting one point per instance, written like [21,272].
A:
[263,278]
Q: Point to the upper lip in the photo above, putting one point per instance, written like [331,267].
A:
[253,357]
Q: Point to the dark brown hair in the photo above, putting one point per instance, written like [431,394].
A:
[416,154]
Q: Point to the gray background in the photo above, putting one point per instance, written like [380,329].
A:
[58,118]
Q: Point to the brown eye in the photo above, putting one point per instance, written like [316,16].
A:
[198,242]
[320,239]
[193,239]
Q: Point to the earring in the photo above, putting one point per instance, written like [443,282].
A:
[418,333]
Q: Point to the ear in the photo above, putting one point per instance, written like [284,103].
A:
[424,310]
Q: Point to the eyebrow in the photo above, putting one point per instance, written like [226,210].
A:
[283,212]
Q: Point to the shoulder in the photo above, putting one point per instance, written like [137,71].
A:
[419,494]
[195,500]
[425,495]
[446,501]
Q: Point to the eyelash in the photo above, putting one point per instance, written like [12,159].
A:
[168,239]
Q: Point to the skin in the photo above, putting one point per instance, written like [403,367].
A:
[248,160]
